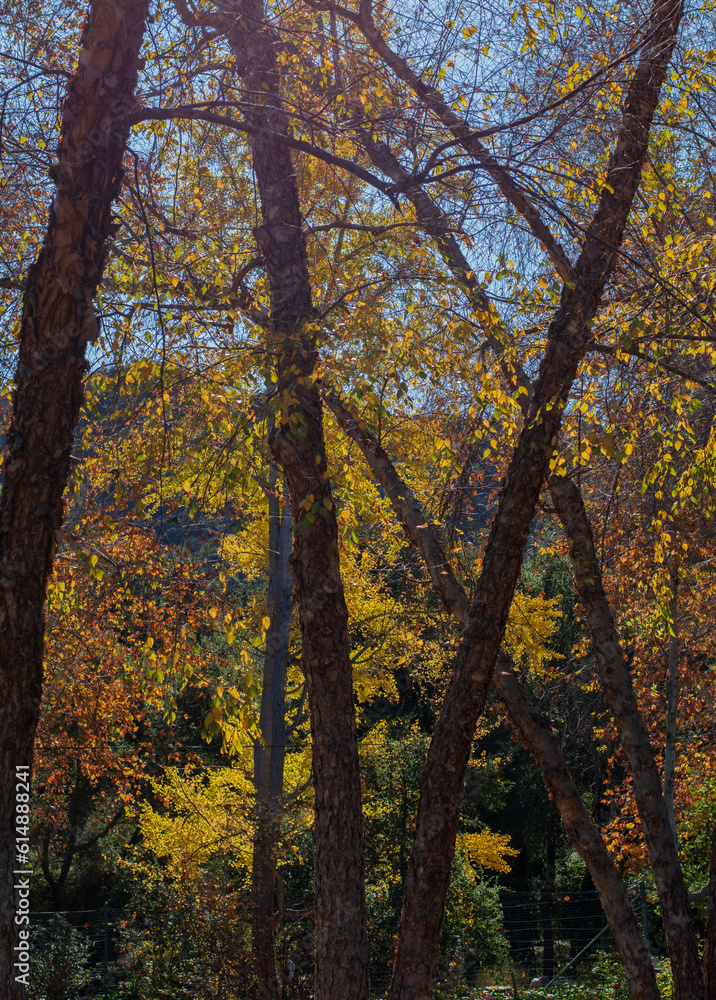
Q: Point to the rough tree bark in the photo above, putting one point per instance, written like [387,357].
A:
[617,686]
[58,321]
[435,224]
[270,752]
[299,448]
[531,728]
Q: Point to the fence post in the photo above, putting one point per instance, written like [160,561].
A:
[644,915]
[106,949]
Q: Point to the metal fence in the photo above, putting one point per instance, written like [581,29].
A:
[548,935]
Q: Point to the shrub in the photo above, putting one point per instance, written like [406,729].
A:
[59,961]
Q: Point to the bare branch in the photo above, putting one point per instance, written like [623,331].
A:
[659,362]
[190,112]
[466,137]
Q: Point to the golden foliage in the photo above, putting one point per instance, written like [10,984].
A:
[486,849]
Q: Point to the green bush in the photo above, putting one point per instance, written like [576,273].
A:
[59,961]
[472,936]
[188,949]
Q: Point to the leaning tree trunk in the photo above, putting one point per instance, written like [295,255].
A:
[536,735]
[532,730]
[568,335]
[664,19]
[434,223]
[646,780]
[299,448]
[270,751]
[58,321]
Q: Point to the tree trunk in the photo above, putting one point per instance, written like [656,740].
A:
[536,735]
[299,448]
[532,729]
[673,705]
[639,108]
[617,684]
[58,321]
[709,959]
[579,827]
[635,958]
[270,753]
[568,334]
[437,226]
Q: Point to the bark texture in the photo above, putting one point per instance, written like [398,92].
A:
[435,224]
[660,39]
[270,753]
[617,686]
[299,448]
[536,736]
[568,335]
[58,321]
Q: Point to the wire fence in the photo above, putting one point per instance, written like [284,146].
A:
[549,933]
[547,936]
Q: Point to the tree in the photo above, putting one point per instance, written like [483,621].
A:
[567,339]
[336,276]
[392,759]
[58,322]
[299,448]
[531,729]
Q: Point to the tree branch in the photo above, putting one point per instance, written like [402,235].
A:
[467,139]
[190,112]
[530,727]
[666,365]
[418,529]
